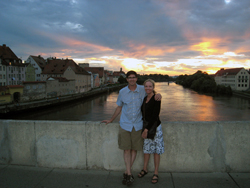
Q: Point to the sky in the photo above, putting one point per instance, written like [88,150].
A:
[172,37]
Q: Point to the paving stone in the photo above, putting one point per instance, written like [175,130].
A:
[22,177]
[203,180]
[242,179]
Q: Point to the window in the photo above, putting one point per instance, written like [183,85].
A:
[3,68]
[238,85]
[0,68]
[245,85]
[0,76]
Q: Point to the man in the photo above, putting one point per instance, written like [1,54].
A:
[129,138]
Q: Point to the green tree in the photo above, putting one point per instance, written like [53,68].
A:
[122,80]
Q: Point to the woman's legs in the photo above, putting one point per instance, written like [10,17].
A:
[146,159]
[157,163]
[145,165]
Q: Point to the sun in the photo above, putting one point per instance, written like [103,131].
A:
[227,1]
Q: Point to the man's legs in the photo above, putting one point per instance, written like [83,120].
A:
[129,158]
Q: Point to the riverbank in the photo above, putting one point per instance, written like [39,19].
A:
[243,94]
[48,102]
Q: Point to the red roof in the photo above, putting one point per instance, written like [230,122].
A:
[14,86]
[33,82]
[39,60]
[223,72]
[96,70]
[60,79]
[7,56]
[59,66]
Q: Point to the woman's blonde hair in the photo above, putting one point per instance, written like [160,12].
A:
[152,81]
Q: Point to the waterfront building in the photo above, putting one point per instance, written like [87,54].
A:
[108,76]
[96,80]
[2,73]
[12,71]
[30,73]
[59,86]
[33,90]
[99,71]
[11,93]
[68,69]
[117,74]
[38,62]
[237,78]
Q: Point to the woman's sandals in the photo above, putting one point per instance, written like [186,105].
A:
[142,173]
[155,180]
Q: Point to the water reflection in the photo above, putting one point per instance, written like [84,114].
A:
[178,104]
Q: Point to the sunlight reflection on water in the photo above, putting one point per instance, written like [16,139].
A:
[178,104]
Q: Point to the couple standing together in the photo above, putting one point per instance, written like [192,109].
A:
[139,122]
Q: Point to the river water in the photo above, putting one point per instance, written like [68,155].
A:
[178,104]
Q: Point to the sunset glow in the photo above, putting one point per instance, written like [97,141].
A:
[163,37]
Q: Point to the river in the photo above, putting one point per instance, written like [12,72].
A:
[178,104]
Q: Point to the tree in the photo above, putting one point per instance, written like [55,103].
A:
[122,80]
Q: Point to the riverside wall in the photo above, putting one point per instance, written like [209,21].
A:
[189,146]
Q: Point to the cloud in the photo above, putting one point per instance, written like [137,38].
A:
[163,31]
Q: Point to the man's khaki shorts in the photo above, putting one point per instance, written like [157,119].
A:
[130,140]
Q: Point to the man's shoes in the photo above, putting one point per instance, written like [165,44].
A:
[130,179]
[124,180]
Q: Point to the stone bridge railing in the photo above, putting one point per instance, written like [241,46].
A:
[189,146]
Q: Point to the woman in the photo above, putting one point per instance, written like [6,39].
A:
[152,131]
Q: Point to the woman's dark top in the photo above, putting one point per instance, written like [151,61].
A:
[150,115]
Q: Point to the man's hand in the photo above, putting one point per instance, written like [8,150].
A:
[158,97]
[107,121]
[145,134]
[116,113]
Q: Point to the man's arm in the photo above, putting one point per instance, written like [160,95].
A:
[116,113]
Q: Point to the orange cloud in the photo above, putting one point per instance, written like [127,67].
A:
[142,50]
[74,43]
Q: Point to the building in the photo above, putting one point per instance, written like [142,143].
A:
[237,78]
[59,86]
[34,90]
[117,74]
[83,65]
[96,80]
[11,93]
[12,71]
[38,62]
[30,73]
[99,71]
[68,69]
[108,76]
[2,74]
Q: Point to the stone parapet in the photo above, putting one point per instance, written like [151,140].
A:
[189,146]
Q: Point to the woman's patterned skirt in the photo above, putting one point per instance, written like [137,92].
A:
[155,145]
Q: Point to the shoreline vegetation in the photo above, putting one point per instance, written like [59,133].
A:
[201,82]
